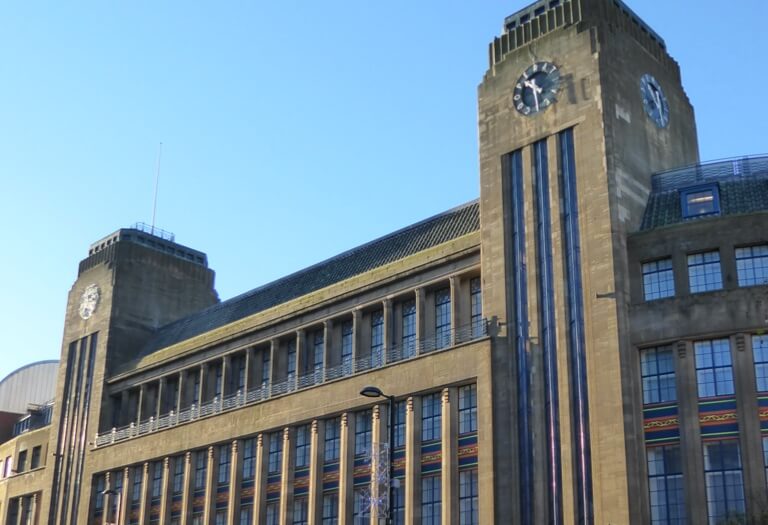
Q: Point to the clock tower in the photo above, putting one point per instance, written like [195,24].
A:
[580,105]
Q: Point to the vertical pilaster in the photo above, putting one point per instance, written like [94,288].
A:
[450,458]
[327,340]
[357,324]
[249,355]
[125,497]
[180,392]
[145,504]
[210,485]
[420,318]
[203,387]
[260,481]
[187,497]
[140,408]
[161,393]
[346,468]
[412,461]
[34,510]
[165,501]
[226,376]
[388,329]
[379,438]
[274,348]
[286,479]
[301,354]
[455,288]
[316,461]
[235,482]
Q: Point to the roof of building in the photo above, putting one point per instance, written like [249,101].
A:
[34,383]
[742,187]
[418,237]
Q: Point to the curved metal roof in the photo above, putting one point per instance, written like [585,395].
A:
[34,383]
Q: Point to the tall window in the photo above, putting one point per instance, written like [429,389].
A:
[657,366]
[332,439]
[431,500]
[318,345]
[725,485]
[118,487]
[178,475]
[137,478]
[331,509]
[704,272]
[665,485]
[266,363]
[377,337]
[201,466]
[442,318]
[476,307]
[224,464]
[249,459]
[275,452]
[398,507]
[302,446]
[431,410]
[246,515]
[765,455]
[99,489]
[467,409]
[399,424]
[196,387]
[300,511]
[346,346]
[221,517]
[359,505]
[752,265]
[468,513]
[409,328]
[363,432]
[218,383]
[714,372]
[157,479]
[273,513]
[760,353]
[658,279]
[21,463]
[240,372]
[291,366]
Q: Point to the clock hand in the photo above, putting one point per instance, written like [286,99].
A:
[535,90]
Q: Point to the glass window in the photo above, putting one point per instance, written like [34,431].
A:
[178,474]
[700,201]
[303,443]
[300,511]
[657,366]
[318,346]
[291,366]
[658,279]
[157,479]
[468,514]
[201,466]
[246,515]
[360,506]
[398,508]
[331,509]
[704,272]
[363,432]
[399,424]
[265,365]
[249,459]
[714,372]
[99,488]
[760,354]
[224,464]
[476,308]
[117,486]
[752,265]
[431,500]
[35,461]
[346,346]
[221,517]
[273,513]
[217,384]
[724,482]
[240,368]
[332,439]
[442,318]
[138,473]
[467,409]
[275,452]
[409,329]
[195,387]
[377,337]
[665,485]
[765,455]
[21,463]
[431,411]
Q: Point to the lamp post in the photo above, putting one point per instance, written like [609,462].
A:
[111,492]
[375,392]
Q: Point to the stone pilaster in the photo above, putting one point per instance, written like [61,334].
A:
[412,461]
[316,461]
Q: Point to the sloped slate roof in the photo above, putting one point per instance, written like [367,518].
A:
[431,232]
[736,196]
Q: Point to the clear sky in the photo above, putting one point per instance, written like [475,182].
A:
[291,130]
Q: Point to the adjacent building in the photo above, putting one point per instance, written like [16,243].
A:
[585,343]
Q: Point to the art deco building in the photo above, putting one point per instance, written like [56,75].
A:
[585,343]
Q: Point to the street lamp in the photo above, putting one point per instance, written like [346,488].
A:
[375,392]
[111,492]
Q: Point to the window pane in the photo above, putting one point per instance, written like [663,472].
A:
[704,272]
[658,279]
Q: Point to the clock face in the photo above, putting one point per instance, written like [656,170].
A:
[654,101]
[88,301]
[536,89]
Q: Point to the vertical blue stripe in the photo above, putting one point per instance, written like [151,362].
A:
[520,291]
[575,317]
[548,337]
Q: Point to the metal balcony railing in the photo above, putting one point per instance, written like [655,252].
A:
[740,168]
[268,390]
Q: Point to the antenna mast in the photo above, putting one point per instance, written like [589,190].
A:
[157,183]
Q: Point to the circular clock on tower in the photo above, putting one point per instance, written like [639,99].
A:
[654,101]
[536,89]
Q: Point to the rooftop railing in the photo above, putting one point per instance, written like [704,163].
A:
[154,230]
[268,390]
[740,168]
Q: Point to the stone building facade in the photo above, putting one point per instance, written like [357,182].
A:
[582,344]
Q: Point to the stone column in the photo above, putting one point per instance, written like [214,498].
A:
[388,330]
[274,348]
[316,462]
[180,393]
[449,433]
[125,497]
[301,339]
[412,461]
[145,504]
[260,481]
[455,289]
[161,393]
[166,496]
[248,371]
[210,485]
[226,376]
[346,468]
[357,323]
[327,339]
[380,433]
[420,319]
[203,387]
[187,496]
[140,408]
[286,479]
[235,482]
[35,505]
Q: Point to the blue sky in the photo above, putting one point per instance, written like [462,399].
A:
[291,130]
